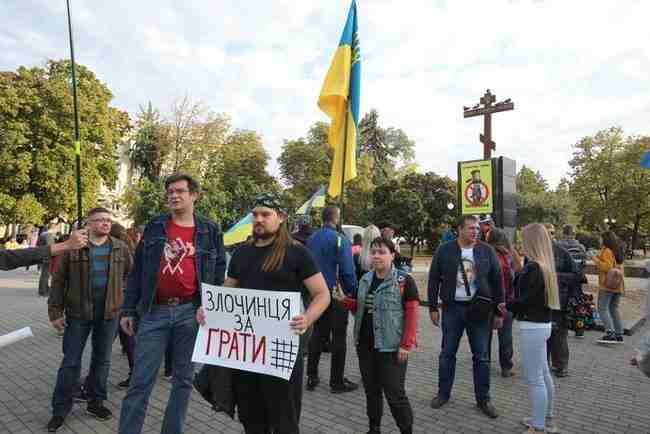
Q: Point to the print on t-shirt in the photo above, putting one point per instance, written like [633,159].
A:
[174,253]
[467,261]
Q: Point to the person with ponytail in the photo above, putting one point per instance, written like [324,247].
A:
[536,295]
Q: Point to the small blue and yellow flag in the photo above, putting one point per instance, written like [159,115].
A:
[317,200]
[339,99]
[645,160]
[240,232]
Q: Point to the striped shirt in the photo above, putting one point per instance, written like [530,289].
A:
[100,257]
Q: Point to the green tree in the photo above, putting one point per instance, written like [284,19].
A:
[536,203]
[36,144]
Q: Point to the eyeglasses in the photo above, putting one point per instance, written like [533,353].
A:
[177,191]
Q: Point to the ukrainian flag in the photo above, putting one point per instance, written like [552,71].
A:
[240,232]
[316,201]
[339,99]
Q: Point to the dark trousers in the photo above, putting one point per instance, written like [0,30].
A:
[44,281]
[557,345]
[454,325]
[506,351]
[335,321]
[169,360]
[267,404]
[382,373]
[128,345]
[74,342]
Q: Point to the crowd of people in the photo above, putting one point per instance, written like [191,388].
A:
[144,285]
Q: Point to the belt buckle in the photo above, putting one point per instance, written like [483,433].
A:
[173,301]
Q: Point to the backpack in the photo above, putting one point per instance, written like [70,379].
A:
[614,279]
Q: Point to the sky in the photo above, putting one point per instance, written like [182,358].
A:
[571,67]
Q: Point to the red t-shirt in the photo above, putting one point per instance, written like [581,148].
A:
[177,277]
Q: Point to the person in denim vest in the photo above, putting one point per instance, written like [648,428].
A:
[177,253]
[462,273]
[385,326]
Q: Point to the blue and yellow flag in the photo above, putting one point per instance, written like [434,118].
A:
[240,232]
[645,160]
[339,99]
[317,200]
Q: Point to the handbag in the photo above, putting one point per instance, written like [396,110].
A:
[480,307]
[614,279]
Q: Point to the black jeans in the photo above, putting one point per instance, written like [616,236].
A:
[382,373]
[267,404]
[334,320]
[557,345]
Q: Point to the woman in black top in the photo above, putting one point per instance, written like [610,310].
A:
[536,294]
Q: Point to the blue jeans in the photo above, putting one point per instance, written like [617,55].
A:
[534,362]
[608,311]
[74,342]
[478,333]
[164,325]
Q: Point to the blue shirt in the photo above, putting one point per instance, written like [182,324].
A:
[100,257]
[332,250]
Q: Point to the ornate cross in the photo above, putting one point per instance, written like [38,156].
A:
[486,111]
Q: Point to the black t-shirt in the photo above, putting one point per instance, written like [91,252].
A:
[246,267]
[409,291]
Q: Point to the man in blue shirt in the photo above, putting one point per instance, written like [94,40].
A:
[333,254]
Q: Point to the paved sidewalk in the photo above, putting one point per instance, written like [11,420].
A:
[602,394]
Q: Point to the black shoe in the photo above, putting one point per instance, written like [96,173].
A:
[347,386]
[124,384]
[488,409]
[507,373]
[561,373]
[374,430]
[80,395]
[619,339]
[312,383]
[55,423]
[438,402]
[97,409]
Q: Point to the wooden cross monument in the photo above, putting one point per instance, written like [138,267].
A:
[486,111]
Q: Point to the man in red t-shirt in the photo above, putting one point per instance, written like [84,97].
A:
[177,252]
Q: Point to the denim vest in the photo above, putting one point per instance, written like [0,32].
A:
[388,315]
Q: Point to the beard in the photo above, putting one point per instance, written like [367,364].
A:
[263,236]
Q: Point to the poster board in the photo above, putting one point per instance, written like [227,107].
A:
[476,187]
[248,329]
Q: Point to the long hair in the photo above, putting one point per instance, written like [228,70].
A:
[498,239]
[118,231]
[610,240]
[538,247]
[369,234]
[282,240]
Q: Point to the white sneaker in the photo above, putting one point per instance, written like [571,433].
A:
[549,423]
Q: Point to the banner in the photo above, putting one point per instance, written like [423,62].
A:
[248,329]
[475,187]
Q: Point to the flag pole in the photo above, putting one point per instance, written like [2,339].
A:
[77,142]
[345,154]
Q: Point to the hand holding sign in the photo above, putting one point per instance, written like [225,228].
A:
[250,330]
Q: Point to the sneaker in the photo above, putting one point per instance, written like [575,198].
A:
[488,409]
[55,423]
[97,409]
[312,383]
[507,373]
[549,425]
[347,386]
[438,402]
[124,384]
[608,338]
[80,394]
[561,373]
[619,339]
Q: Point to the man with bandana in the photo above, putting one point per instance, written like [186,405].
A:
[273,261]
[177,253]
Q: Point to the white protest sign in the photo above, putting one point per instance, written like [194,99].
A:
[15,336]
[248,329]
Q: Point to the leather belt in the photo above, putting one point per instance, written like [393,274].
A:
[174,301]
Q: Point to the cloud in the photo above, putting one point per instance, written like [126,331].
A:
[571,68]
